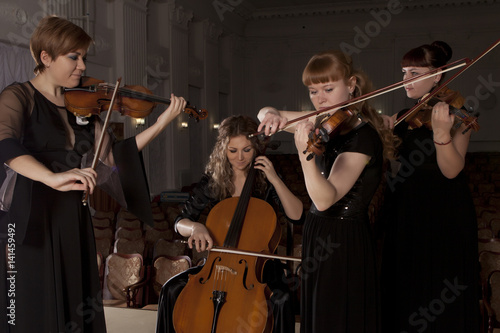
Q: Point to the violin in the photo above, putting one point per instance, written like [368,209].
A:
[327,127]
[421,114]
[93,96]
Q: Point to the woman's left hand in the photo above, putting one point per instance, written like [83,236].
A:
[264,164]
[442,122]
[177,104]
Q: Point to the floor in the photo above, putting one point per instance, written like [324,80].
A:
[126,320]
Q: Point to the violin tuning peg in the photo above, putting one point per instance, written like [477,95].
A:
[323,134]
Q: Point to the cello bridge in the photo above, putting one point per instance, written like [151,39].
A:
[224,269]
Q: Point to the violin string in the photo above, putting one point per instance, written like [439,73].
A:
[137,94]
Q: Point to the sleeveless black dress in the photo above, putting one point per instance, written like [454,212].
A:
[430,261]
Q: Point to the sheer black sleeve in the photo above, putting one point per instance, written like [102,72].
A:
[197,202]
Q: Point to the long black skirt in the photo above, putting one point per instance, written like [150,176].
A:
[53,284]
[339,276]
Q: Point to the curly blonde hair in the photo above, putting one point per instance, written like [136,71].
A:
[218,167]
[335,65]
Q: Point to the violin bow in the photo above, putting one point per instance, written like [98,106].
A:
[437,89]
[101,139]
[439,70]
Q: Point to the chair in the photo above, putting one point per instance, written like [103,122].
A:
[128,233]
[165,267]
[492,301]
[127,246]
[495,226]
[485,233]
[128,223]
[100,267]
[157,224]
[168,248]
[489,262]
[153,235]
[124,278]
[103,246]
[485,215]
[123,213]
[159,216]
[492,244]
[100,214]
[155,208]
[101,222]
[199,258]
[100,232]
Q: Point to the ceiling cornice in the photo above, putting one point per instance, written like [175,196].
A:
[248,12]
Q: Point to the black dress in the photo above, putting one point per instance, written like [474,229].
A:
[273,275]
[430,262]
[339,276]
[52,283]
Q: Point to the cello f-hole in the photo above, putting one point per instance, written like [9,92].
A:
[204,280]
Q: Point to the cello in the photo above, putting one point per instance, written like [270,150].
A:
[228,295]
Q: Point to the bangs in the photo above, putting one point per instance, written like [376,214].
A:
[322,69]
[73,39]
[415,58]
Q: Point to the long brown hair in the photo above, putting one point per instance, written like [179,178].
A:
[335,65]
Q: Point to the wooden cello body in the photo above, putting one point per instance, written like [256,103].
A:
[228,295]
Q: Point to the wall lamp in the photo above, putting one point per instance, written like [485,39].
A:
[139,122]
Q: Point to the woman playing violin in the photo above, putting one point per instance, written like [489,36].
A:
[224,177]
[44,148]
[431,234]
[339,276]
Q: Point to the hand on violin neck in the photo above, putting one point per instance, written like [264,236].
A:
[177,105]
[174,109]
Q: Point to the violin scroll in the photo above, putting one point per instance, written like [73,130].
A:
[195,113]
